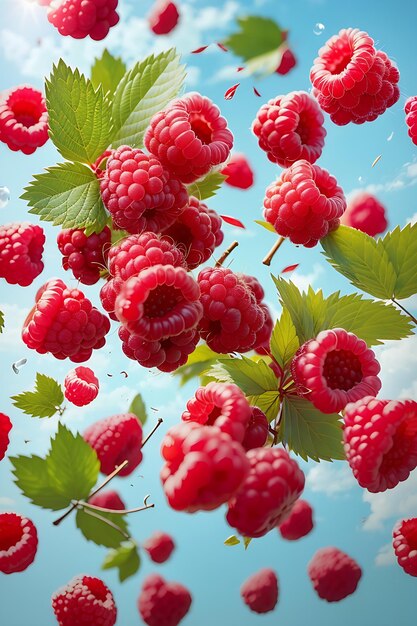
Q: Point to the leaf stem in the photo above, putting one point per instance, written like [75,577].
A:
[157,425]
[101,509]
[226,253]
[267,260]
[410,315]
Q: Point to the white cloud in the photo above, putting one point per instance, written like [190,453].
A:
[228,72]
[303,281]
[398,361]
[385,556]
[406,177]
[330,478]
[14,317]
[391,504]
[7,503]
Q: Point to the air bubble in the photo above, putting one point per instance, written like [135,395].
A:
[4,197]
[319,28]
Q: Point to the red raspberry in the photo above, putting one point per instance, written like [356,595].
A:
[83,18]
[18,543]
[260,591]
[159,547]
[231,317]
[290,128]
[263,336]
[116,439]
[203,467]
[380,439]
[64,323]
[257,430]
[5,428]
[304,204]
[334,574]
[335,368]
[163,17]
[410,109]
[189,137]
[23,119]
[267,494]
[288,61]
[84,256]
[167,354]
[222,405]
[352,80]
[196,232]
[254,285]
[139,193]
[405,545]
[108,500]
[84,601]
[21,249]
[81,386]
[299,523]
[366,213]
[163,603]
[238,171]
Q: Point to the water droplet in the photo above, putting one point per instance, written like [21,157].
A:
[18,364]
[391,136]
[319,28]
[4,197]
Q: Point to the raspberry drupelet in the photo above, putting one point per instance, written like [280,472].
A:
[238,172]
[334,574]
[299,523]
[81,386]
[405,545]
[163,17]
[85,256]
[84,601]
[163,603]
[159,546]
[83,18]
[410,109]
[23,119]
[5,428]
[366,213]
[21,250]
[18,543]
[260,591]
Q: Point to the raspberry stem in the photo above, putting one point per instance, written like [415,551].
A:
[410,315]
[157,425]
[101,509]
[267,260]
[226,253]
[108,522]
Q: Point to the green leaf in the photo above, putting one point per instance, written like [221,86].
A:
[198,362]
[246,541]
[232,541]
[253,377]
[143,91]
[33,480]
[207,186]
[268,402]
[1,321]
[98,531]
[266,225]
[401,248]
[79,115]
[310,433]
[68,195]
[284,340]
[45,401]
[107,71]
[125,558]
[138,408]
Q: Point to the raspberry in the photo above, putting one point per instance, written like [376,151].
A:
[18,543]
[260,591]
[231,315]
[21,249]
[365,213]
[108,500]
[163,603]
[64,323]
[83,18]
[304,204]
[5,428]
[163,17]
[410,109]
[288,61]
[335,368]
[238,171]
[189,137]
[221,405]
[254,285]
[163,301]
[405,545]
[167,354]
[159,547]
[257,430]
[353,81]
[299,523]
[116,439]
[267,494]
[263,336]
[290,128]
[380,439]
[196,232]
[84,601]
[334,574]
[84,256]
[23,119]
[203,467]
[81,386]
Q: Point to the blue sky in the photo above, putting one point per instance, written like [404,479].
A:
[345,516]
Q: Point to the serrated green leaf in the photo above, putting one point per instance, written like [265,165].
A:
[79,115]
[125,558]
[266,225]
[198,362]
[1,321]
[268,402]
[232,541]
[401,248]
[108,71]
[246,541]
[253,377]
[45,401]
[207,186]
[96,530]
[33,480]
[143,91]
[68,195]
[138,408]
[284,340]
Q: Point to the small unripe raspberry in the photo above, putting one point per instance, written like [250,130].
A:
[334,574]
[84,601]
[159,547]
[299,523]
[260,591]
[18,543]
[405,545]
[81,386]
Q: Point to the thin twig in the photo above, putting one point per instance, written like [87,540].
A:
[226,253]
[157,425]
[410,315]
[102,509]
[108,522]
[267,260]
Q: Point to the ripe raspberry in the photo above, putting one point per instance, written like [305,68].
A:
[222,405]
[23,119]
[254,285]
[163,603]
[335,368]
[231,317]
[410,109]
[238,171]
[267,494]
[203,469]
[5,428]
[84,601]
[288,61]
[116,439]
[257,430]
[334,574]
[196,232]
[304,204]
[263,336]
[163,17]
[189,137]
[81,386]
[405,545]
[21,249]
[299,523]
[108,500]
[353,81]
[83,18]
[159,547]
[18,543]
[65,323]
[260,591]
[84,256]
[167,354]
[139,193]
[365,213]
[380,439]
